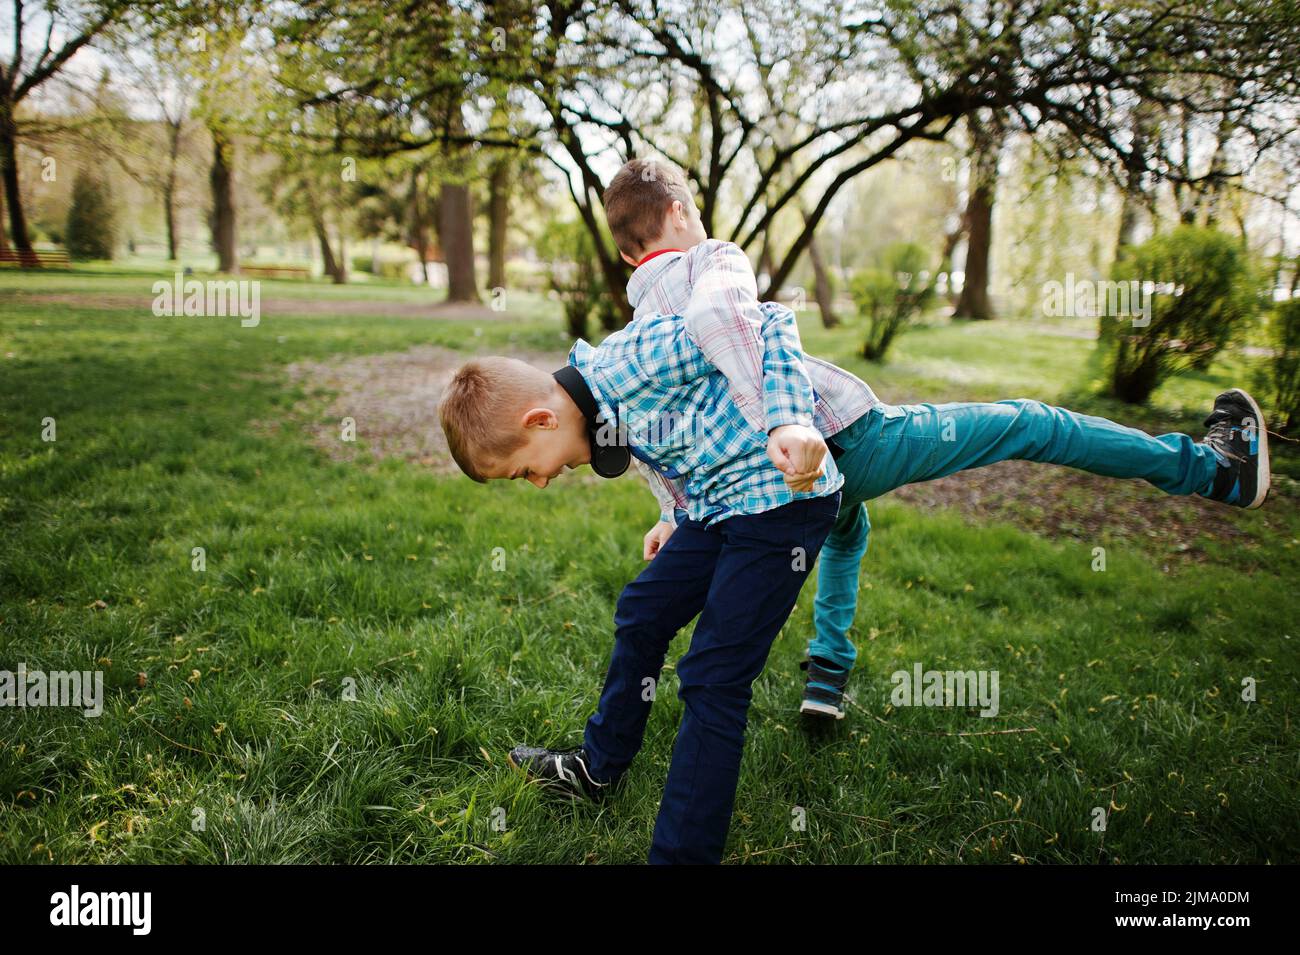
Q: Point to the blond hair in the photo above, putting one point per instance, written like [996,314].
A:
[479,410]
[638,197]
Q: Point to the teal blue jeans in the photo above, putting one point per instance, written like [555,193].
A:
[893,445]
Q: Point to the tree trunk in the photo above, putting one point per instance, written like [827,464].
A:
[498,218]
[341,273]
[974,301]
[765,268]
[4,236]
[456,221]
[322,237]
[1213,198]
[950,241]
[456,235]
[169,189]
[1135,195]
[417,222]
[1129,216]
[822,285]
[169,213]
[222,179]
[14,198]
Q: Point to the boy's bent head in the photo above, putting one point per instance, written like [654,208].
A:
[503,418]
[648,206]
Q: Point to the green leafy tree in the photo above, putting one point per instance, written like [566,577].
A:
[91,230]
[1205,293]
[891,295]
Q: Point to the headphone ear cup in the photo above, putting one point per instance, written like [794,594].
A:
[610,461]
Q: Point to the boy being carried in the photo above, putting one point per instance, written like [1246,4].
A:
[878,446]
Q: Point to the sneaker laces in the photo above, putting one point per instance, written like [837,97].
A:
[1219,437]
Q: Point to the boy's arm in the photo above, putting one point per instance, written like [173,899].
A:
[725,321]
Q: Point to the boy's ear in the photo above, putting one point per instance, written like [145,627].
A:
[543,418]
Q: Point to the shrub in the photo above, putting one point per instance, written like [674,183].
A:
[1203,294]
[891,295]
[1280,376]
[91,230]
[573,273]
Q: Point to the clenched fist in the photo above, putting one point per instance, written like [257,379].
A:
[797,451]
[655,538]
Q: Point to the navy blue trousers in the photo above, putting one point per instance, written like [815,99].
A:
[742,575]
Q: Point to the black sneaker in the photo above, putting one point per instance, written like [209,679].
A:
[823,692]
[1238,436]
[564,770]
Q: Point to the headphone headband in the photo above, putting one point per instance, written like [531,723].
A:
[607,460]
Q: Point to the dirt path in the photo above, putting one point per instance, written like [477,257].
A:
[393,398]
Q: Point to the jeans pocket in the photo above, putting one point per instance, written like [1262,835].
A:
[825,508]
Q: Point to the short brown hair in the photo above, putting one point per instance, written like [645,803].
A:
[637,198]
[478,408]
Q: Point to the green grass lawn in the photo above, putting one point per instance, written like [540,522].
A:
[343,681]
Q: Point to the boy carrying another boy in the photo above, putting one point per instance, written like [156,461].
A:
[725,417]
[737,559]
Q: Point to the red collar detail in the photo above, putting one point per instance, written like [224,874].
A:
[658,252]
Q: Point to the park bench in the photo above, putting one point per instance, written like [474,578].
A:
[275,271]
[57,259]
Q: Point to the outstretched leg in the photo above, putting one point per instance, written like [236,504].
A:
[930,441]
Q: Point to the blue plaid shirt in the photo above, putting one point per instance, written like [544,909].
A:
[676,414]
[713,289]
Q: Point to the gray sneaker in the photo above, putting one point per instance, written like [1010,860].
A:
[823,692]
[1238,437]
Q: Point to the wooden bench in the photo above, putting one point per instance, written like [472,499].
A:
[39,259]
[275,271]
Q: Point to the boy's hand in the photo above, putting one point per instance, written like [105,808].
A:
[797,451]
[656,538]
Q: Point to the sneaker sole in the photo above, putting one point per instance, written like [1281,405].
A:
[1264,479]
[813,708]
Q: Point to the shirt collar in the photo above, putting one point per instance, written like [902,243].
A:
[580,357]
[647,273]
[656,252]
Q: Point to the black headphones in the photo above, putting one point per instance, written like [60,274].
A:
[608,459]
